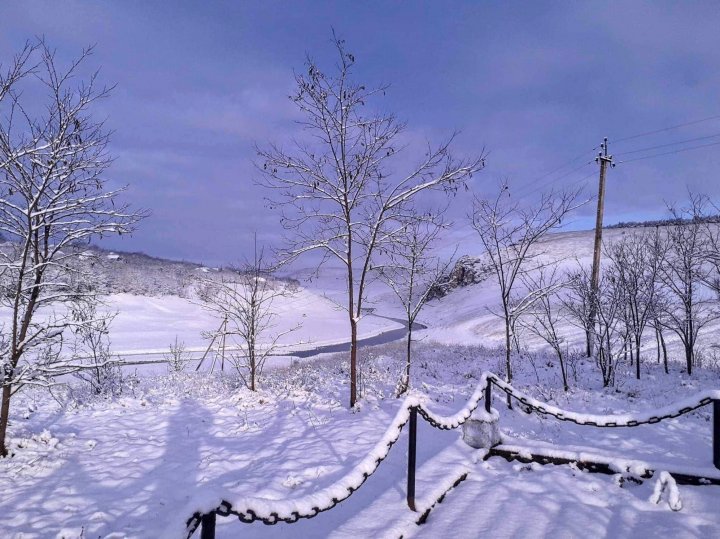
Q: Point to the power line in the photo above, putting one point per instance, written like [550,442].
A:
[572,161]
[670,144]
[709,118]
[670,153]
[542,186]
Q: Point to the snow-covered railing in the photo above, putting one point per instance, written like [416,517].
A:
[676,409]
[614,420]
[251,509]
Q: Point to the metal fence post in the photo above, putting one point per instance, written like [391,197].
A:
[207,526]
[412,446]
[716,433]
[488,396]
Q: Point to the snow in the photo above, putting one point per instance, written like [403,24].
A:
[666,483]
[140,463]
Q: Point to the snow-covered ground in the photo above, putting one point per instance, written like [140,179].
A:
[151,324]
[135,465]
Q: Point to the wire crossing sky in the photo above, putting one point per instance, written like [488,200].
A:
[537,84]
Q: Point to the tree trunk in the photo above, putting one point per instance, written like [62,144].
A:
[588,343]
[4,417]
[562,368]
[508,366]
[353,361]
[405,382]
[407,362]
[637,357]
[252,371]
[664,350]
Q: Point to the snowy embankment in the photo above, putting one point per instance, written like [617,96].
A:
[132,466]
[149,325]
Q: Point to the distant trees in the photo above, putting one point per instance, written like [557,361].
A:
[338,189]
[663,278]
[53,195]
[510,234]
[684,275]
[636,263]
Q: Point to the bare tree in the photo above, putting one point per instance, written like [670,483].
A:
[636,261]
[684,275]
[544,317]
[610,332]
[412,271]
[247,307]
[92,346]
[509,233]
[177,357]
[339,195]
[577,304]
[53,196]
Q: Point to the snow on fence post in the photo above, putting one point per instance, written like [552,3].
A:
[481,429]
[412,446]
[207,525]
[716,433]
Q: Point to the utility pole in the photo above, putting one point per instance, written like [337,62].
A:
[604,159]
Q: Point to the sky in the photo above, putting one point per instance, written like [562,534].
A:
[537,85]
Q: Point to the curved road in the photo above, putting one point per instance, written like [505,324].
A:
[382,338]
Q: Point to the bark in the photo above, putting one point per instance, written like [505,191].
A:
[562,368]
[664,351]
[353,361]
[4,417]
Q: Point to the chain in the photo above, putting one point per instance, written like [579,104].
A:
[248,515]
[427,416]
[630,423]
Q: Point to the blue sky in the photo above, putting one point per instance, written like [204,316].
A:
[535,83]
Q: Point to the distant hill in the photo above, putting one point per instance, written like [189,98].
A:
[142,274]
[664,222]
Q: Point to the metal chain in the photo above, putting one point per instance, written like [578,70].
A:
[226,509]
[248,515]
[630,423]
[448,426]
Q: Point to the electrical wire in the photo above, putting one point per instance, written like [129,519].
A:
[647,133]
[539,187]
[669,144]
[523,193]
[669,153]
[572,161]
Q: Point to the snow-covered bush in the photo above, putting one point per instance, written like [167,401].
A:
[177,358]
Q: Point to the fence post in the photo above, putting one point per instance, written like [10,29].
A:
[716,433]
[488,396]
[412,445]
[207,526]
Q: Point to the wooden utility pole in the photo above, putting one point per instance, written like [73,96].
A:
[604,159]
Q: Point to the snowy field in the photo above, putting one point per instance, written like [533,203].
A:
[137,464]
